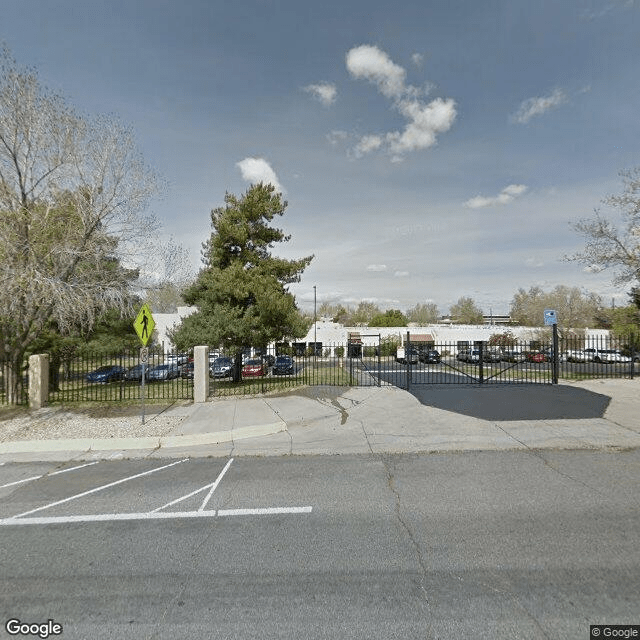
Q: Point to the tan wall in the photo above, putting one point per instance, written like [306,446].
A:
[38,380]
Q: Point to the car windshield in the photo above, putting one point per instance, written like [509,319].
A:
[254,363]
[222,361]
[283,360]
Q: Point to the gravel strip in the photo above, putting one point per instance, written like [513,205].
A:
[48,424]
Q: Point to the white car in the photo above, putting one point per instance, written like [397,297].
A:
[609,356]
[579,355]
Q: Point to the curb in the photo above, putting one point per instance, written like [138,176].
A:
[164,442]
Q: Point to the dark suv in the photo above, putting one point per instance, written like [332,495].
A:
[430,356]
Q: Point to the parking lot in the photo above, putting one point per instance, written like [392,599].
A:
[103,492]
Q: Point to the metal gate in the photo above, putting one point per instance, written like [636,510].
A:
[480,363]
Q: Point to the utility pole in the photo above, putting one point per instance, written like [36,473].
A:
[315,322]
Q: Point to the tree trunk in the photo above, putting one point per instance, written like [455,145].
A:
[237,367]
[12,380]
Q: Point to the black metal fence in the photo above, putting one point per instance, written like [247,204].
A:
[368,362]
[531,361]
[281,368]
[118,377]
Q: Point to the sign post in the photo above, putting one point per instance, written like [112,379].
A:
[551,318]
[144,324]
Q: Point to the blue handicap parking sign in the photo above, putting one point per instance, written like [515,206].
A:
[550,316]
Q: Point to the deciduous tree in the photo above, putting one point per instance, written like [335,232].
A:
[465,311]
[610,243]
[423,314]
[574,308]
[390,318]
[72,193]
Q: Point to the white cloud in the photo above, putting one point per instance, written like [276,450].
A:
[508,194]
[417,59]
[401,274]
[337,136]
[373,64]
[377,267]
[532,107]
[423,120]
[256,170]
[367,144]
[325,92]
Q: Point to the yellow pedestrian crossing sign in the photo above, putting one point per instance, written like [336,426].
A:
[144,324]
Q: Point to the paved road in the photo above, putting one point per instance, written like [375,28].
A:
[479,544]
[495,401]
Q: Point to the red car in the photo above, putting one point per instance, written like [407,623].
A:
[253,369]
[536,357]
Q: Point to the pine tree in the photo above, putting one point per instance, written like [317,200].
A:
[242,292]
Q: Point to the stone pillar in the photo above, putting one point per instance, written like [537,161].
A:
[38,380]
[200,374]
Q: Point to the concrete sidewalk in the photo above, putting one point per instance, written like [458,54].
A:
[363,420]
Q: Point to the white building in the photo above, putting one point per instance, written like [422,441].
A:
[165,322]
[332,334]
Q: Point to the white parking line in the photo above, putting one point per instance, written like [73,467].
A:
[55,473]
[211,486]
[151,515]
[215,485]
[104,486]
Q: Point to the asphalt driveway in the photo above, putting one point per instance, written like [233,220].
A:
[514,401]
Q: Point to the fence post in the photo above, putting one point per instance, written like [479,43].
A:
[379,362]
[38,380]
[556,357]
[480,361]
[350,356]
[200,373]
[407,358]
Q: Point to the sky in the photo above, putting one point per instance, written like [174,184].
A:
[428,150]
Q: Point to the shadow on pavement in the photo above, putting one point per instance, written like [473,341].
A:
[514,401]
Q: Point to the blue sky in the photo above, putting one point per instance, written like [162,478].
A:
[428,150]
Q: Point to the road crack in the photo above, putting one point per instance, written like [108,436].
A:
[405,525]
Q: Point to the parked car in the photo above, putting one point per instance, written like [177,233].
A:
[176,358]
[491,354]
[579,355]
[513,355]
[163,372]
[254,368]
[409,354]
[269,359]
[221,368]
[430,356]
[135,373]
[186,370]
[105,374]
[610,356]
[283,366]
[536,356]
[469,355]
